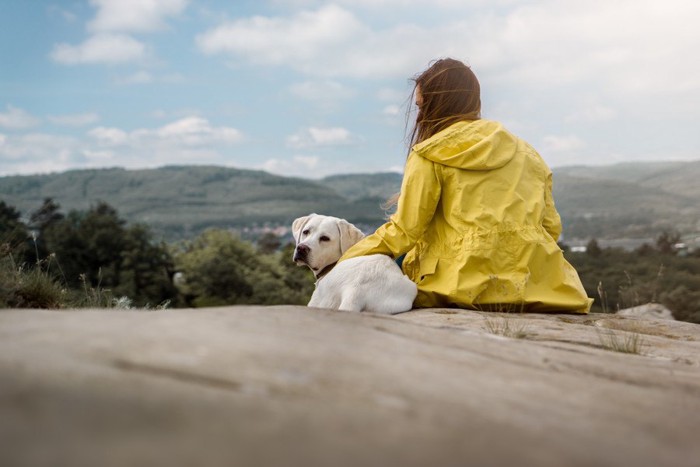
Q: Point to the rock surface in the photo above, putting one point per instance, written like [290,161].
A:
[648,310]
[293,386]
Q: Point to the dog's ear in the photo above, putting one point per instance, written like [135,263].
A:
[349,235]
[298,224]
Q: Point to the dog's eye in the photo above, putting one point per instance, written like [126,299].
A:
[305,232]
[324,239]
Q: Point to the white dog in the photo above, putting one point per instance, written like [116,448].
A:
[366,283]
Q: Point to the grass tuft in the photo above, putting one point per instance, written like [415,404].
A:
[630,343]
[506,327]
[35,286]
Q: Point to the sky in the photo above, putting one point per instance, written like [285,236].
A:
[311,88]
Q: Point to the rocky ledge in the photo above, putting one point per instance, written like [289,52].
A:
[293,386]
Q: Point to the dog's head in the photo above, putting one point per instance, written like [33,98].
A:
[322,240]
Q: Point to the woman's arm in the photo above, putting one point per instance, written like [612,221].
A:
[420,193]
[551,221]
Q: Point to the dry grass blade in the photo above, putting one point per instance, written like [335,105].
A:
[629,342]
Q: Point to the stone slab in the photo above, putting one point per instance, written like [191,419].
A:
[294,386]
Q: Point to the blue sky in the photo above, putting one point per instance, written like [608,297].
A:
[311,88]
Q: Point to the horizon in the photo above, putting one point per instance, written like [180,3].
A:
[329,175]
[299,87]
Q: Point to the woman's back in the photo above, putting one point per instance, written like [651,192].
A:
[494,229]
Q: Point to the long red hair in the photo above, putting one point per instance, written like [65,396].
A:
[450,93]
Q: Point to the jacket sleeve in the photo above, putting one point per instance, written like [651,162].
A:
[551,221]
[420,193]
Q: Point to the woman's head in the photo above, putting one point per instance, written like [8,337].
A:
[446,93]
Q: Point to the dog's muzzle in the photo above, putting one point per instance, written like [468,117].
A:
[301,253]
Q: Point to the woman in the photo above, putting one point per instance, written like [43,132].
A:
[475,216]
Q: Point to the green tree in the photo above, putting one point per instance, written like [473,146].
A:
[268,243]
[22,283]
[629,278]
[97,249]
[41,220]
[666,241]
[684,302]
[14,235]
[221,269]
[88,245]
[146,269]
[592,248]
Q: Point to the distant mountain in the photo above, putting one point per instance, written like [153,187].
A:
[680,178]
[358,186]
[181,201]
[623,200]
[628,199]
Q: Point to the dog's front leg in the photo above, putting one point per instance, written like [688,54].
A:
[351,300]
[316,300]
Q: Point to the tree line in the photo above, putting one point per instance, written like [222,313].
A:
[658,272]
[94,258]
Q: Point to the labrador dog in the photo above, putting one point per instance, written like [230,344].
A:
[367,283]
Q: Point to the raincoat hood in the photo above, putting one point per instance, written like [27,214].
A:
[470,145]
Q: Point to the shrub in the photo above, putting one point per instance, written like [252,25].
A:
[221,269]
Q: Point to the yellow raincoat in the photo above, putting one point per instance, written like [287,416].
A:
[477,222]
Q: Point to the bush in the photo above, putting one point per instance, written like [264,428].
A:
[22,287]
[651,274]
[82,259]
[221,269]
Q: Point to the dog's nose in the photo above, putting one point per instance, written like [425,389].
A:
[301,252]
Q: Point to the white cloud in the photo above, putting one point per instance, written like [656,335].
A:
[302,41]
[133,15]
[614,47]
[623,46]
[139,77]
[191,140]
[100,49]
[110,41]
[37,153]
[74,119]
[559,144]
[17,119]
[303,166]
[146,77]
[96,156]
[279,40]
[391,110]
[188,131]
[332,41]
[320,137]
[109,136]
[197,131]
[393,5]
[592,113]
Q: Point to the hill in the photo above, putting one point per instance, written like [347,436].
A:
[680,178]
[180,201]
[625,200]
[358,186]
[628,199]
